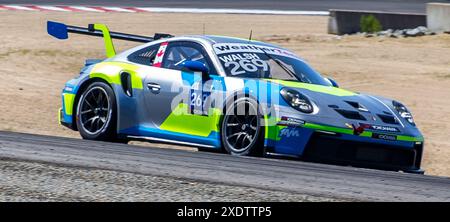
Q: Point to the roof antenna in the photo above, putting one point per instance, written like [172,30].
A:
[203,28]
[250,37]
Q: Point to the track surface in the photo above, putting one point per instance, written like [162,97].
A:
[417,6]
[345,183]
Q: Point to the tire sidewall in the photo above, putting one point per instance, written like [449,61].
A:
[254,148]
[108,132]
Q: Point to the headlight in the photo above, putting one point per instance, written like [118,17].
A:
[404,112]
[297,100]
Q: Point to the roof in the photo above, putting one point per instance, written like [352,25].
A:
[225,39]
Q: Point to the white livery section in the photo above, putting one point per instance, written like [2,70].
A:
[223,48]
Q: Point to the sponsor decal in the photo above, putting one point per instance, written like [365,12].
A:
[290,121]
[363,126]
[68,89]
[222,48]
[384,136]
[287,132]
[384,128]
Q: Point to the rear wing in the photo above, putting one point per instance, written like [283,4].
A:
[61,30]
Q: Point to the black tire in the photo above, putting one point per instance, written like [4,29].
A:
[241,130]
[96,113]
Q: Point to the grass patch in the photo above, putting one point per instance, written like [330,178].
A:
[370,24]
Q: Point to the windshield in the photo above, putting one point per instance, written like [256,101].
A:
[254,61]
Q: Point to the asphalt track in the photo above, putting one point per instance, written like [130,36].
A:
[344,183]
[414,6]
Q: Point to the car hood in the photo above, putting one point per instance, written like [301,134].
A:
[343,108]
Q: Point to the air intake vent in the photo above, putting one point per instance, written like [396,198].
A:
[350,114]
[390,119]
[357,106]
[125,79]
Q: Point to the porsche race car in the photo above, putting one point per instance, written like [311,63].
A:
[240,96]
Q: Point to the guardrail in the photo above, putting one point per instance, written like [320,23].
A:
[348,21]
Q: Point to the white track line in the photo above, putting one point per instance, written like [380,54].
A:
[52,8]
[232,11]
[118,9]
[157,9]
[87,9]
[19,7]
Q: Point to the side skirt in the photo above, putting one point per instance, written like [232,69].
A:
[166,141]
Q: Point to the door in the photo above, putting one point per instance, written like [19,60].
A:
[174,95]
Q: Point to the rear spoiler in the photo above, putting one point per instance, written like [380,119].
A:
[61,30]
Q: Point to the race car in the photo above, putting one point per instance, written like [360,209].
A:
[239,96]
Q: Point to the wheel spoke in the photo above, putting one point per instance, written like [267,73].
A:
[253,127]
[241,128]
[86,111]
[237,119]
[98,124]
[237,139]
[88,103]
[94,112]
[245,135]
[235,134]
[99,99]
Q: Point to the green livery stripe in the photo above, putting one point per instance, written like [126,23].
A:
[109,46]
[410,138]
[316,88]
[110,72]
[182,121]
[272,131]
[364,134]
[111,79]
[328,128]
[68,103]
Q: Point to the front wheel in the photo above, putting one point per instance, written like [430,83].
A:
[96,113]
[241,128]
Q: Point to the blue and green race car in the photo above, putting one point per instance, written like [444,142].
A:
[240,96]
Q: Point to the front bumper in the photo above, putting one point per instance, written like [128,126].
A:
[345,151]
[342,146]
[61,119]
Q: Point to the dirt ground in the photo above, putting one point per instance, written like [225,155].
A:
[416,71]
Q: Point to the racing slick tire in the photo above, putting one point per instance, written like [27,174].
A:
[96,113]
[241,130]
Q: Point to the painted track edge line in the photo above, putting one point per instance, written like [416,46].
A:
[81,8]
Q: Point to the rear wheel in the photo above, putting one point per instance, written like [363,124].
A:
[241,128]
[96,113]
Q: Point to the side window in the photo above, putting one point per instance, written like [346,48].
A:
[144,56]
[178,52]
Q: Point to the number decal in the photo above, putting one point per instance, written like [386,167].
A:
[198,102]
[245,65]
[261,63]
[234,70]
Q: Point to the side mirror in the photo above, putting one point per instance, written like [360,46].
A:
[195,66]
[333,83]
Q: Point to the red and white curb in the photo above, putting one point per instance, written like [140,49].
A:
[63,8]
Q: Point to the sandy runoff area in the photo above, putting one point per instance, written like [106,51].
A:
[416,71]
